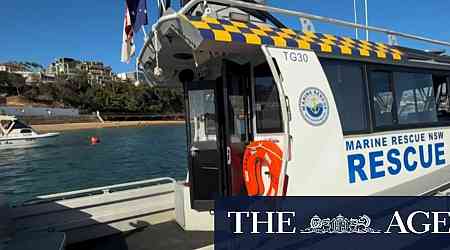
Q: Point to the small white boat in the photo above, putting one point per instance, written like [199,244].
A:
[14,133]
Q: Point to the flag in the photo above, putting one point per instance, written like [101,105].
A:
[128,47]
[138,13]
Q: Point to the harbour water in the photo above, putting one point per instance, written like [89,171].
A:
[71,163]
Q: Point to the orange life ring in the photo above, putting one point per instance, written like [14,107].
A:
[257,156]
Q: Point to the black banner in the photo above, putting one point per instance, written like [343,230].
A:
[332,223]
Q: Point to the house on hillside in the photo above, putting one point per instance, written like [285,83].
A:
[96,72]
[31,74]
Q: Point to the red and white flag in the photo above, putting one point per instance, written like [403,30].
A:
[128,48]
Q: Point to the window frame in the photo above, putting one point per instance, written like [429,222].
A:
[415,97]
[366,97]
[254,110]
[371,103]
[401,69]
[367,69]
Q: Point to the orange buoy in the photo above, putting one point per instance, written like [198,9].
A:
[258,156]
[95,140]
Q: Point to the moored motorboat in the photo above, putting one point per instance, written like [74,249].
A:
[14,133]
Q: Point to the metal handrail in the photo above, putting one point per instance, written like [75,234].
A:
[96,191]
[266,8]
[234,3]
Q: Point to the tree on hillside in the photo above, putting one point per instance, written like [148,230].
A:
[112,97]
[80,82]
[12,81]
[67,93]
[4,80]
[17,81]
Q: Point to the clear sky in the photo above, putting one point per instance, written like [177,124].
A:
[43,30]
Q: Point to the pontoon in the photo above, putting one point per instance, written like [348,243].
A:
[271,111]
[14,133]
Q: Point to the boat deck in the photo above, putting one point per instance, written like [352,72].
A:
[131,216]
[168,235]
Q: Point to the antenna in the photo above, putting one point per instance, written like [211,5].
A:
[162,6]
[356,18]
[367,19]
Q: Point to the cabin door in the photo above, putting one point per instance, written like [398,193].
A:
[204,147]
[218,129]
[237,125]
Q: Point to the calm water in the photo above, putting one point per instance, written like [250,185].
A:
[124,155]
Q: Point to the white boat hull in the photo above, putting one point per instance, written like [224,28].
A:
[27,141]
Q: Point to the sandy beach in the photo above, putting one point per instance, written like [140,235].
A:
[96,125]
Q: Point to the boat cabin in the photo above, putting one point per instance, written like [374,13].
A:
[271,110]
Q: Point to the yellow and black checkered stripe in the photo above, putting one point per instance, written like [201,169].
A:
[258,34]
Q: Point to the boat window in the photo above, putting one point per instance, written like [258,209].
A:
[415,98]
[268,108]
[441,89]
[202,115]
[237,123]
[382,98]
[348,86]
[26,131]
[414,101]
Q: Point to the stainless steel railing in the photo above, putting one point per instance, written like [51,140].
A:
[270,9]
[240,4]
[98,191]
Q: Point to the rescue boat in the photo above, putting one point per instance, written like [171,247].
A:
[275,111]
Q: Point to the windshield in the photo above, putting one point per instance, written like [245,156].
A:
[19,125]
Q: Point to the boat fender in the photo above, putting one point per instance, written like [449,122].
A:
[258,156]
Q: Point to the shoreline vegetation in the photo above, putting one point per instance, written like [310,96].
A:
[120,103]
[47,128]
[77,92]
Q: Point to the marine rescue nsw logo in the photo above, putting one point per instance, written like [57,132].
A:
[314,106]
